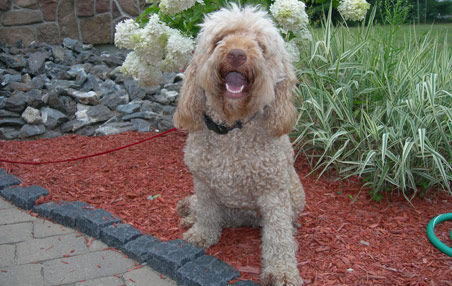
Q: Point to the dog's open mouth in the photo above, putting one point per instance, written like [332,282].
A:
[235,85]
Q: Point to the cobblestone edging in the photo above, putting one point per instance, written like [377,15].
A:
[183,262]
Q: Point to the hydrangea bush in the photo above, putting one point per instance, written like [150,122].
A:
[162,38]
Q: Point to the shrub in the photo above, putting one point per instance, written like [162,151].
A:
[379,106]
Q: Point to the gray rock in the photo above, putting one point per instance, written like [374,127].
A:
[113,100]
[129,108]
[165,124]
[56,102]
[16,103]
[52,118]
[32,116]
[72,126]
[78,72]
[92,83]
[8,78]
[36,62]
[12,122]
[39,81]
[31,130]
[115,128]
[141,125]
[34,98]
[149,115]
[134,91]
[14,62]
[89,97]
[98,113]
[8,133]
[55,71]
[6,113]
[73,45]
[58,53]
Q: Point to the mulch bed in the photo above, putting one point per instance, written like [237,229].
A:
[364,243]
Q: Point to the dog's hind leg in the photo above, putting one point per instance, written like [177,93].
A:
[208,217]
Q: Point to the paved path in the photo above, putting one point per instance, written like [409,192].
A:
[35,252]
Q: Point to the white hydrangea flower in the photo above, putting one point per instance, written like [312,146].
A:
[176,6]
[150,41]
[124,33]
[178,52]
[354,10]
[145,73]
[293,50]
[290,14]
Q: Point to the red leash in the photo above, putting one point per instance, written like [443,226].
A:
[88,156]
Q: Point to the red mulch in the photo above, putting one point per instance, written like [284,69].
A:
[364,243]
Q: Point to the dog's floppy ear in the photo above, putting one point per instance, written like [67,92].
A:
[281,115]
[188,115]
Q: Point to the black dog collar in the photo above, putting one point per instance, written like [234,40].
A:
[220,129]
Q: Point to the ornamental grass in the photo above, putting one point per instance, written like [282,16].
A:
[377,103]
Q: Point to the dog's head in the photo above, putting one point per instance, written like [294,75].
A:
[239,68]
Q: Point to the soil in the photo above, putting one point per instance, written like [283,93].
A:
[340,241]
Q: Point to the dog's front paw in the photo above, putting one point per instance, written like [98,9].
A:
[281,279]
[201,240]
[187,222]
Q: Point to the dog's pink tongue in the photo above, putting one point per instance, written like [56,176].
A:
[235,82]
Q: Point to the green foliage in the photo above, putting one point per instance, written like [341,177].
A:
[378,107]
[188,20]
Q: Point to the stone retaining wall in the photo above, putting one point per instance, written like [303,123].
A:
[50,21]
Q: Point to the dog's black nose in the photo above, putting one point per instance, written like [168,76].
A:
[236,57]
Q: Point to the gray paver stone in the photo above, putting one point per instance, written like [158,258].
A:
[7,254]
[25,197]
[28,274]
[138,249]
[4,204]
[167,257]
[50,248]
[45,228]
[111,280]
[44,210]
[91,222]
[144,275]
[207,270]
[68,212]
[13,215]
[8,181]
[3,173]
[15,232]
[117,235]
[89,266]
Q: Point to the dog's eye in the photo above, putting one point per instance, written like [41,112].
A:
[263,48]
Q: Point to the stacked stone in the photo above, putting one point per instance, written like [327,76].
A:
[50,21]
[49,90]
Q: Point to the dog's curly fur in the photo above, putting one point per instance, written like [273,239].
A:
[244,177]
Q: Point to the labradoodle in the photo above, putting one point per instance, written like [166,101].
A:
[237,105]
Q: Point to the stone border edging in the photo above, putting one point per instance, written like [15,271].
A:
[181,261]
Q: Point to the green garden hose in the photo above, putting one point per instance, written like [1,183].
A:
[431,235]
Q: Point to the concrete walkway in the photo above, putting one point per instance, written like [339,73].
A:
[35,252]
